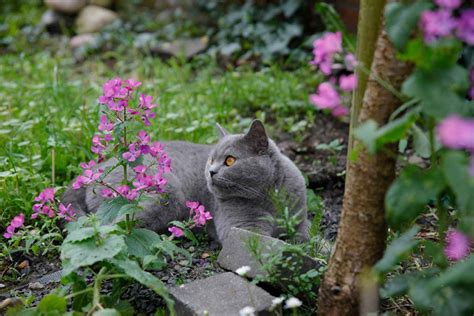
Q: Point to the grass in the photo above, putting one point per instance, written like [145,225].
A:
[49,112]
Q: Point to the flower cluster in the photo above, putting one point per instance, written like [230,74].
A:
[442,22]
[458,245]
[16,222]
[198,215]
[47,205]
[147,178]
[458,133]
[338,68]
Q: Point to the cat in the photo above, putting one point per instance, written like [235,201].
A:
[232,179]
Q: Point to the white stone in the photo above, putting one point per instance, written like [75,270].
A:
[94,18]
[66,6]
[82,40]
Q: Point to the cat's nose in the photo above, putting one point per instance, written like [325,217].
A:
[212,173]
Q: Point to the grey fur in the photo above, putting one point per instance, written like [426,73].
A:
[236,195]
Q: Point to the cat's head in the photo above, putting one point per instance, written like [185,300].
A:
[241,164]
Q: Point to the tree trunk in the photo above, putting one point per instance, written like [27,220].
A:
[362,231]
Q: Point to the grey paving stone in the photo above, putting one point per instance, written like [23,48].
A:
[235,252]
[223,294]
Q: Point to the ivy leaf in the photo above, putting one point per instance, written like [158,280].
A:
[438,90]
[455,169]
[88,252]
[397,250]
[133,270]
[108,211]
[409,194]
[401,19]
[52,304]
[375,139]
[140,242]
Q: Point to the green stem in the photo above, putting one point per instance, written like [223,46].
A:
[96,289]
[78,293]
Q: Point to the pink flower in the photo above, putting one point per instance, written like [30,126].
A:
[436,24]
[192,205]
[457,245]
[87,165]
[97,146]
[156,148]
[448,4]
[87,177]
[200,215]
[348,83]
[131,84]
[146,102]
[16,222]
[339,111]
[324,49]
[105,125]
[66,212]
[45,196]
[465,27]
[350,61]
[132,154]
[108,193]
[326,97]
[176,232]
[147,116]
[125,191]
[164,163]
[140,169]
[456,132]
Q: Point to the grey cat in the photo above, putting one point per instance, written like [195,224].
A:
[232,179]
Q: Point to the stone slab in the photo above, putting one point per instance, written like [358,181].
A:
[235,252]
[221,294]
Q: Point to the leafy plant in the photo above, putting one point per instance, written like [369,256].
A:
[437,118]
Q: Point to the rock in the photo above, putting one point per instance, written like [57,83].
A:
[82,40]
[235,254]
[35,286]
[221,294]
[181,47]
[102,3]
[66,6]
[93,19]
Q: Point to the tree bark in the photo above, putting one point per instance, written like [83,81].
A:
[362,231]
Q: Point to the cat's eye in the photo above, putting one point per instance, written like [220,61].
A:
[229,161]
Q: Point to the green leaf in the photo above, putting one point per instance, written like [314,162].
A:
[458,274]
[129,209]
[374,138]
[421,143]
[442,53]
[168,247]
[401,19]
[78,284]
[455,169]
[108,211]
[140,242]
[88,252]
[106,312]
[187,232]
[133,270]
[52,304]
[398,250]
[438,90]
[398,285]
[409,194]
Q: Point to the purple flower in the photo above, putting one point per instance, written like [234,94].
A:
[132,154]
[465,27]
[87,165]
[200,216]
[176,232]
[456,132]
[108,193]
[16,222]
[147,115]
[350,61]
[324,49]
[339,111]
[45,196]
[146,102]
[66,212]
[131,84]
[457,245]
[448,4]
[97,146]
[87,177]
[436,24]
[326,97]
[348,83]
[105,125]
[156,148]
[164,163]
[125,191]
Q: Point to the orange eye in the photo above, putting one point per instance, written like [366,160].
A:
[229,161]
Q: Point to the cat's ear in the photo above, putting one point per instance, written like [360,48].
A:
[257,137]
[221,131]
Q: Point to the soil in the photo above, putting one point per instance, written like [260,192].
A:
[324,170]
